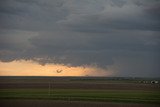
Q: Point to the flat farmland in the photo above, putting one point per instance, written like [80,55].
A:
[71,91]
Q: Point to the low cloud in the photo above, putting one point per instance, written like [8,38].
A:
[108,33]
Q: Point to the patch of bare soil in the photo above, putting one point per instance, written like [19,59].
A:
[106,86]
[50,103]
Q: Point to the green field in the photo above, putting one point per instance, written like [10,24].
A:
[152,97]
[100,90]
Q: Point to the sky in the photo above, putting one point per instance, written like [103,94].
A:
[80,38]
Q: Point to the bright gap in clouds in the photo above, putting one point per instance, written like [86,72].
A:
[31,68]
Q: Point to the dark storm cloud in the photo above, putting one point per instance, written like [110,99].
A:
[31,15]
[108,33]
[129,16]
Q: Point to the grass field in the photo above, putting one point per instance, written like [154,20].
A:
[79,89]
[83,95]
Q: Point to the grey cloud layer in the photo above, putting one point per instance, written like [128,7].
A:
[108,33]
